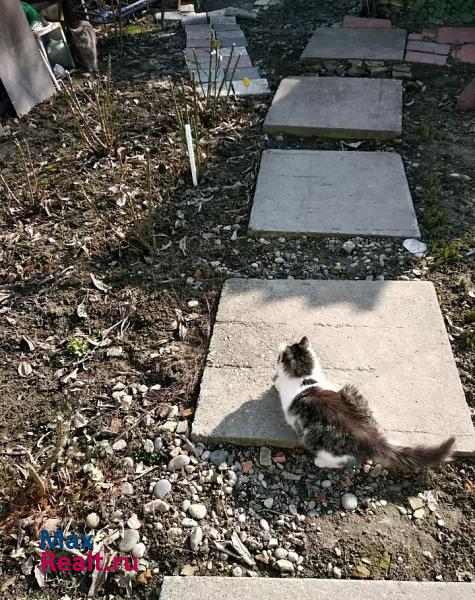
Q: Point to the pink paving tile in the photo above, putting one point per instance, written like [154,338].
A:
[466,53]
[430,47]
[426,57]
[415,36]
[350,21]
[429,33]
[456,35]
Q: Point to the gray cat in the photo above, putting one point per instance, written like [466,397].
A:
[84,40]
[337,423]
[83,36]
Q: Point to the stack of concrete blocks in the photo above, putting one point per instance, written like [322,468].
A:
[216,54]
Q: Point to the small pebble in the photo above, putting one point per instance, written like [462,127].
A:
[162,488]
[92,520]
[139,550]
[349,501]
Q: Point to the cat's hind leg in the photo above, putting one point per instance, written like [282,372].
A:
[327,460]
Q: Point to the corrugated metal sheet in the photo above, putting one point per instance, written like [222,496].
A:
[22,70]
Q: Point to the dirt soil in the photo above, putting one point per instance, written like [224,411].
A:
[90,300]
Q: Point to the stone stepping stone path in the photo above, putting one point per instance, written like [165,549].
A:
[312,192]
[223,37]
[336,107]
[355,43]
[266,588]
[386,337]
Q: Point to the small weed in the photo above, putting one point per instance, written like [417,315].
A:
[433,190]
[426,131]
[33,192]
[470,318]
[468,338]
[78,347]
[445,252]
[436,221]
[94,116]
[142,233]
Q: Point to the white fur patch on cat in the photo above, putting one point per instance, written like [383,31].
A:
[327,460]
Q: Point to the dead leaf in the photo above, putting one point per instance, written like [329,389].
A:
[468,486]
[116,424]
[71,377]
[187,412]
[24,369]
[30,345]
[182,331]
[182,245]
[144,577]
[188,570]
[4,296]
[39,576]
[81,311]
[99,284]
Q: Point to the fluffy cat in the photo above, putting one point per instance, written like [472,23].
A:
[83,36]
[336,423]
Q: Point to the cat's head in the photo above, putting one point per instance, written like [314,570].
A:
[297,360]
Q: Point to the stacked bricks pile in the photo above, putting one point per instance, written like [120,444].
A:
[216,54]
[434,47]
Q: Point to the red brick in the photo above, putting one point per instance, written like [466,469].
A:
[425,57]
[466,100]
[349,21]
[466,53]
[430,47]
[415,36]
[456,35]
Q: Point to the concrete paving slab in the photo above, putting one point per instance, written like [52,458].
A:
[387,337]
[220,27]
[313,192]
[204,76]
[243,62]
[198,42]
[266,588]
[194,19]
[234,35]
[256,87]
[352,21]
[227,42]
[221,19]
[239,74]
[338,107]
[355,43]
[238,50]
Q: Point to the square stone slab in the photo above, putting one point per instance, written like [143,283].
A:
[355,43]
[270,588]
[386,337]
[341,107]
[313,192]
[239,74]
[256,87]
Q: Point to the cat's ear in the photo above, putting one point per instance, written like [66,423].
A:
[304,342]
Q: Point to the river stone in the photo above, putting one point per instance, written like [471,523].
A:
[131,537]
[178,462]
[197,511]
[162,488]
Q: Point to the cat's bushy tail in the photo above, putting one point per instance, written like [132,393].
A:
[388,453]
[407,457]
